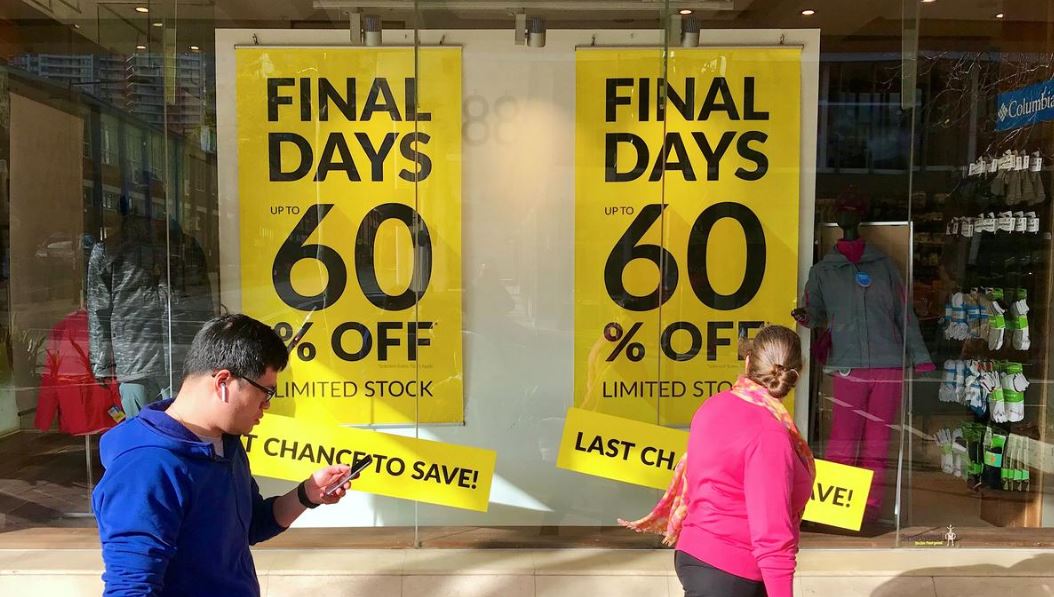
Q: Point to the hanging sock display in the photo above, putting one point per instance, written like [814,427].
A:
[1019,314]
[1014,386]
[996,320]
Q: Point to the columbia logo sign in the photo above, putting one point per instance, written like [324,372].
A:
[1025,106]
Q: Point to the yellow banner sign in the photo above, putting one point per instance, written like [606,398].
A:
[686,221]
[349,178]
[645,454]
[402,467]
[839,495]
[620,449]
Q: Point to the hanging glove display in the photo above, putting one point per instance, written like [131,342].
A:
[1028,190]
[1005,221]
[998,185]
[1039,194]
[1013,187]
[1020,221]
[1032,222]
[988,222]
[1019,314]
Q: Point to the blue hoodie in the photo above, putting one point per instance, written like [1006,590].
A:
[175,518]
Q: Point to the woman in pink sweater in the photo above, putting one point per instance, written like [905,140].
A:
[735,504]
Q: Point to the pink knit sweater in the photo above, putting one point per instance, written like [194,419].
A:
[747,489]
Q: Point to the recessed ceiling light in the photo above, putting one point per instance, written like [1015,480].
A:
[142,9]
[928,1]
[194,48]
[159,24]
[685,11]
[999,16]
[140,47]
[808,12]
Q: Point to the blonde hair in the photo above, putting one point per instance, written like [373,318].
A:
[775,359]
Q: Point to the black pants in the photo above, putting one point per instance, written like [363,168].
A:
[700,579]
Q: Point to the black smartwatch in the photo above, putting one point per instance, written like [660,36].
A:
[301,494]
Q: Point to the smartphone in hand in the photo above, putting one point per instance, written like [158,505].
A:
[351,474]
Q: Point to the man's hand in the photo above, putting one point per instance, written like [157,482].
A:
[288,507]
[317,483]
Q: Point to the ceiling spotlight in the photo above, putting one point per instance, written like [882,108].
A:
[142,9]
[685,11]
[928,1]
[159,24]
[999,16]
[808,12]
[140,47]
[194,48]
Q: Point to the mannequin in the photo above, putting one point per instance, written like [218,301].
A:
[856,292]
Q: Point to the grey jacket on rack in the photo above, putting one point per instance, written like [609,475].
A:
[134,284]
[867,323]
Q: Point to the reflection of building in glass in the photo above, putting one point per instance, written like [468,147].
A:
[136,83]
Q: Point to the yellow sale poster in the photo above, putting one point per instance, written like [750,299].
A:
[686,221]
[401,467]
[349,180]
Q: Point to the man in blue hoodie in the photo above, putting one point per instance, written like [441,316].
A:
[178,507]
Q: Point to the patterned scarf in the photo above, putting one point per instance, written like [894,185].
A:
[668,515]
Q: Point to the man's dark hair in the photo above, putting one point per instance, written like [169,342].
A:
[238,343]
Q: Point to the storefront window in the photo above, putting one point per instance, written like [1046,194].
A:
[502,239]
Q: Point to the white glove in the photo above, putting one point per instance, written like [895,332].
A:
[1019,311]
[952,227]
[996,326]
[966,227]
[1020,221]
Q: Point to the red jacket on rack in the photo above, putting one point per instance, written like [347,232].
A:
[68,387]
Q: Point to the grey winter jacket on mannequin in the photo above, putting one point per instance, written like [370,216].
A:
[136,279]
[867,323]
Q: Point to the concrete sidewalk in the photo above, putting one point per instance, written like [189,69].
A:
[566,572]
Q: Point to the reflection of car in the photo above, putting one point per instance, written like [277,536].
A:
[58,255]
[56,247]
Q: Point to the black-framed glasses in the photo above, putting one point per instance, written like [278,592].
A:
[269,393]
